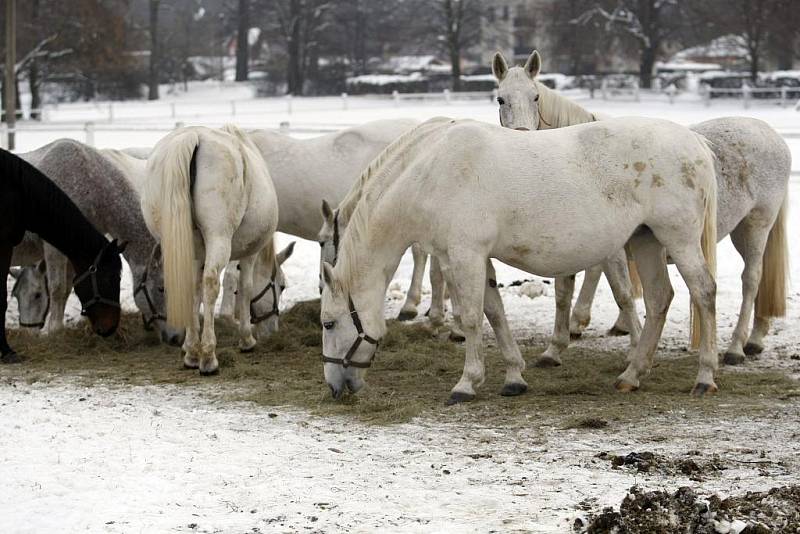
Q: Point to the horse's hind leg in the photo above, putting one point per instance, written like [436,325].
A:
[755,343]
[191,343]
[409,309]
[436,312]
[750,242]
[493,308]
[218,253]
[246,340]
[616,270]
[582,312]
[59,286]
[465,273]
[551,357]
[652,262]
[7,354]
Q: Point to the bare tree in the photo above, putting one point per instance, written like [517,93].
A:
[300,23]
[155,57]
[242,41]
[460,20]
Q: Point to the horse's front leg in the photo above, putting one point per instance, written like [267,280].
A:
[551,357]
[414,295]
[582,311]
[7,354]
[436,311]
[466,277]
[218,253]
[59,287]
[246,340]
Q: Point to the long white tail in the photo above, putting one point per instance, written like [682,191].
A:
[771,299]
[708,243]
[172,160]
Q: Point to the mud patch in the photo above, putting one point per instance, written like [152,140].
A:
[659,512]
[690,465]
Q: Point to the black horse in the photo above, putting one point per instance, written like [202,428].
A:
[29,201]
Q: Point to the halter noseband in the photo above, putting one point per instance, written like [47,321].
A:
[154,315]
[41,323]
[254,317]
[91,273]
[362,337]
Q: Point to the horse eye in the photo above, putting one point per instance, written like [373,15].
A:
[502,101]
[536,99]
[322,243]
[327,325]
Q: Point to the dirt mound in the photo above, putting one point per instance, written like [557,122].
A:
[690,465]
[658,512]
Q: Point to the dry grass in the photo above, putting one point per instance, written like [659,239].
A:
[412,376]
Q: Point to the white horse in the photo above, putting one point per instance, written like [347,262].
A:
[209,199]
[552,204]
[753,164]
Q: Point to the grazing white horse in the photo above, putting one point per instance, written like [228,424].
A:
[209,198]
[753,164]
[551,204]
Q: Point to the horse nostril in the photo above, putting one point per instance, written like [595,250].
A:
[335,393]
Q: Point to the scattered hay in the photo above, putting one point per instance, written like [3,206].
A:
[412,375]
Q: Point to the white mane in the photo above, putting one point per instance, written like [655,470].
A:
[556,111]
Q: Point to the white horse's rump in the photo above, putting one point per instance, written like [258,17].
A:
[209,199]
[476,191]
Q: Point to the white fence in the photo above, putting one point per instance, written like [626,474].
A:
[749,94]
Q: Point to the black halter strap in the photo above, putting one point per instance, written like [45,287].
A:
[362,337]
[41,323]
[154,315]
[91,274]
[271,286]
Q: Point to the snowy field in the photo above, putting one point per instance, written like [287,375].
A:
[166,458]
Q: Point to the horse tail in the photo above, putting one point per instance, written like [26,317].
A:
[771,298]
[708,239]
[177,168]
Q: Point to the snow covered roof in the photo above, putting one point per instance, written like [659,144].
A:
[385,79]
[406,64]
[727,46]
[686,66]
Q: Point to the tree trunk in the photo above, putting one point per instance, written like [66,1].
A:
[154,51]
[647,61]
[294,77]
[455,62]
[755,59]
[242,43]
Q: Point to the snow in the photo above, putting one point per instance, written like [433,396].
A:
[144,459]
[725,47]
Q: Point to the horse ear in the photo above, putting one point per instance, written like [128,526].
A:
[41,267]
[284,254]
[499,66]
[327,212]
[327,274]
[15,272]
[534,64]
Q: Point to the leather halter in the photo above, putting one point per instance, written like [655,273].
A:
[41,323]
[271,286]
[91,274]
[154,315]
[362,337]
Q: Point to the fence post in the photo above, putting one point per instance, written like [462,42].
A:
[706,92]
[179,124]
[233,108]
[604,88]
[284,127]
[671,90]
[636,92]
[110,112]
[396,98]
[746,95]
[4,136]
[344,100]
[784,100]
[447,96]
[89,129]
[173,112]
[289,104]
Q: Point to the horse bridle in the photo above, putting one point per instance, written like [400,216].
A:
[362,338]
[271,286]
[41,323]
[154,315]
[91,273]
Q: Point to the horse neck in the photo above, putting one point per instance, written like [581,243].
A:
[556,111]
[51,214]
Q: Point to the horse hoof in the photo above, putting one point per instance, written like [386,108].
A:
[615,331]
[247,350]
[547,361]
[406,315]
[513,389]
[575,335]
[191,363]
[11,357]
[700,390]
[458,397]
[751,349]
[624,387]
[731,358]
[457,338]
[210,372]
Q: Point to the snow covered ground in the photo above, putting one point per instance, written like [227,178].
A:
[166,458]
